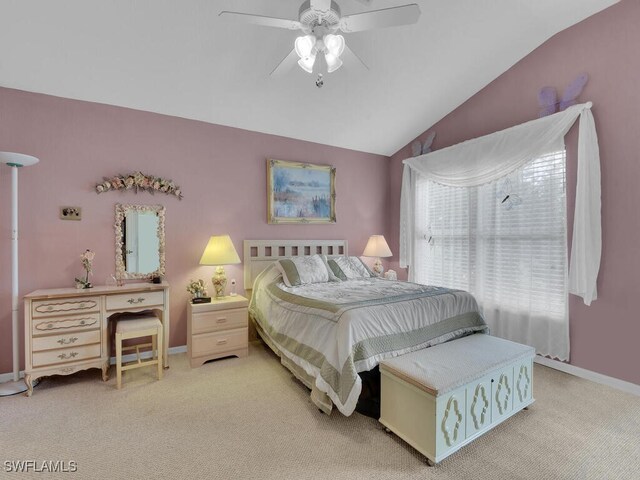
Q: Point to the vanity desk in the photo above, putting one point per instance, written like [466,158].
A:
[66,329]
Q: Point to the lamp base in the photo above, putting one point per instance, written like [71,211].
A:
[219,281]
[12,388]
[378,269]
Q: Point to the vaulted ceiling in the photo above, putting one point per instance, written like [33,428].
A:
[180,58]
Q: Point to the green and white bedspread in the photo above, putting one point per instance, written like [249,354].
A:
[334,330]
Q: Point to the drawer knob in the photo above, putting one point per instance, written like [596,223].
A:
[222,342]
[67,341]
[64,356]
[82,305]
[49,325]
[49,308]
[133,301]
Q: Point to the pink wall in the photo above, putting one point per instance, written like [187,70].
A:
[604,336]
[222,172]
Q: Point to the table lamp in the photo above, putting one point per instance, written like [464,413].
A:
[377,247]
[219,251]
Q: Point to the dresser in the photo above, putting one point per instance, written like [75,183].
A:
[217,329]
[66,329]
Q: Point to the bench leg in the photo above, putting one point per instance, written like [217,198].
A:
[118,361]
[158,342]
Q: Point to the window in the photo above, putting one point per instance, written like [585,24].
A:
[505,242]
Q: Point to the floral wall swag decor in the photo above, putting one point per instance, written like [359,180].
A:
[139,181]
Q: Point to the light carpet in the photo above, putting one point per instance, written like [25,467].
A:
[248,418]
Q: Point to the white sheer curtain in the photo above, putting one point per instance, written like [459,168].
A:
[502,231]
[492,157]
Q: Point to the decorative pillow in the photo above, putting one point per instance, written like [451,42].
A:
[348,268]
[305,270]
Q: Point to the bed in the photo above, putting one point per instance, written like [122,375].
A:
[327,333]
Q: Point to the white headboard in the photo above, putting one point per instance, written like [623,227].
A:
[259,254]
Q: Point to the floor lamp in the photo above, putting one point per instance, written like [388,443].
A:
[15,161]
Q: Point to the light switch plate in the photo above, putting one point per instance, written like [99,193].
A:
[70,213]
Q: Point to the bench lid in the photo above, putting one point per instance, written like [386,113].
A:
[447,366]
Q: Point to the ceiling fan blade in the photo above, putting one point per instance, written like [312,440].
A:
[261,20]
[322,6]
[351,59]
[387,17]
[285,65]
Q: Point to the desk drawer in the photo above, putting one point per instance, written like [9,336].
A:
[219,342]
[65,355]
[51,308]
[63,324]
[220,320]
[134,300]
[76,339]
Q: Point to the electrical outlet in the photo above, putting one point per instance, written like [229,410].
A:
[70,213]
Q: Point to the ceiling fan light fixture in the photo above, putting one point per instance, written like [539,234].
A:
[307,63]
[334,44]
[333,62]
[304,46]
[319,21]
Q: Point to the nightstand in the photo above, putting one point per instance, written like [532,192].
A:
[217,329]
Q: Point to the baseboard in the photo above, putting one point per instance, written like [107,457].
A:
[547,362]
[6,377]
[589,375]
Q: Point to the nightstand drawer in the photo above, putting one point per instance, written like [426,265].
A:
[65,323]
[74,354]
[218,320]
[134,300]
[219,342]
[65,340]
[50,308]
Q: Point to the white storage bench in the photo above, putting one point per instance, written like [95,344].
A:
[440,398]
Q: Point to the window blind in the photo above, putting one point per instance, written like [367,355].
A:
[505,242]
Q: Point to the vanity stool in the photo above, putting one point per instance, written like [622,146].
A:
[137,326]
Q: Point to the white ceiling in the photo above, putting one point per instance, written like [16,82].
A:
[179,58]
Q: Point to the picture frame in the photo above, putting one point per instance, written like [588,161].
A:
[300,193]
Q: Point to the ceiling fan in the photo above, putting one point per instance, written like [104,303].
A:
[319,21]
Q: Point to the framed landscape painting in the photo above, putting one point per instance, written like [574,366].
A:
[300,192]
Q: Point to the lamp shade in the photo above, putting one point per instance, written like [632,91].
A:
[307,63]
[334,44]
[377,247]
[219,251]
[304,45]
[17,159]
[333,62]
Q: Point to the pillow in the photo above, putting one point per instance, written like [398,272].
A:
[305,270]
[348,268]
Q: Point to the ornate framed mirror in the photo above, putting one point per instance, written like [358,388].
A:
[139,241]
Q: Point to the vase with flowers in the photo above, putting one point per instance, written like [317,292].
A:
[87,263]
[197,289]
